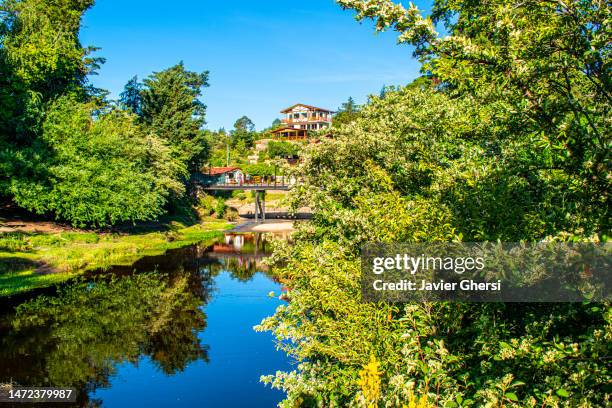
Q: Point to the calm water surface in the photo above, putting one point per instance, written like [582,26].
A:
[179,337]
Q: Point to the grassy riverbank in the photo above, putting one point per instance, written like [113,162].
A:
[30,260]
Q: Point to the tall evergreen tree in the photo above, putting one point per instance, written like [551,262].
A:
[171,108]
[130,98]
[244,132]
[347,112]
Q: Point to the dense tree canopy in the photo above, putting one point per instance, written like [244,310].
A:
[243,134]
[64,149]
[347,112]
[541,69]
[506,137]
[97,171]
[171,108]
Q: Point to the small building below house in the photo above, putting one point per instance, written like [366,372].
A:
[300,119]
[223,175]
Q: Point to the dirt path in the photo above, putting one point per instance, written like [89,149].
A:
[267,226]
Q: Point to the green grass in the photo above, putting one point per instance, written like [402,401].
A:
[30,261]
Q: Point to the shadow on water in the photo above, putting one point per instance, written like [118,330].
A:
[154,311]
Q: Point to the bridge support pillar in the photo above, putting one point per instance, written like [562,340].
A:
[260,205]
[256,204]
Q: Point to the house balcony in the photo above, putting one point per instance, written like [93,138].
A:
[305,120]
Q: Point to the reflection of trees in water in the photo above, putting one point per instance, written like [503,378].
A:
[77,338]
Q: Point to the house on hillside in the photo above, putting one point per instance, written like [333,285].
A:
[301,118]
[223,175]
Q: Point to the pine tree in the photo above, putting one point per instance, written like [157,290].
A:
[130,98]
[171,108]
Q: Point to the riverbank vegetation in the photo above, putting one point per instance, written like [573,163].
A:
[506,137]
[66,150]
[69,153]
[34,260]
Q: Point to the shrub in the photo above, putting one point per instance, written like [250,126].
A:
[231,214]
[97,170]
[207,204]
[220,208]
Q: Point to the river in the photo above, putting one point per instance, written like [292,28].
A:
[174,330]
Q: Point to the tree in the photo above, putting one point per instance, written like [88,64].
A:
[500,145]
[245,124]
[347,112]
[544,74]
[282,148]
[130,98]
[243,133]
[97,171]
[41,58]
[172,110]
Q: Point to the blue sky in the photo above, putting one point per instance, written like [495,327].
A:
[263,55]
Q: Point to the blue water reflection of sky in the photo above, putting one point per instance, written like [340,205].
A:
[238,356]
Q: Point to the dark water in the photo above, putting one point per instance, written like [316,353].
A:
[181,336]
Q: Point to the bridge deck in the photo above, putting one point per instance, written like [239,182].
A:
[249,186]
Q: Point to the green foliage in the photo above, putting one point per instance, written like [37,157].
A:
[456,354]
[258,169]
[243,135]
[231,214]
[96,171]
[348,112]
[131,98]
[207,204]
[172,110]
[239,194]
[220,208]
[506,138]
[40,58]
[79,336]
[65,152]
[279,148]
[541,71]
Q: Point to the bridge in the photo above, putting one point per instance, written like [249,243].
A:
[247,186]
[260,188]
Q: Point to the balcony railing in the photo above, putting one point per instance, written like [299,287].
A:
[306,120]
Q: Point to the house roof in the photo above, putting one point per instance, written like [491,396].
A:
[215,171]
[306,106]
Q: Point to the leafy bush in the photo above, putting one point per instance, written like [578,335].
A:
[259,169]
[97,171]
[220,208]
[453,354]
[239,194]
[506,144]
[207,204]
[231,214]
[282,148]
